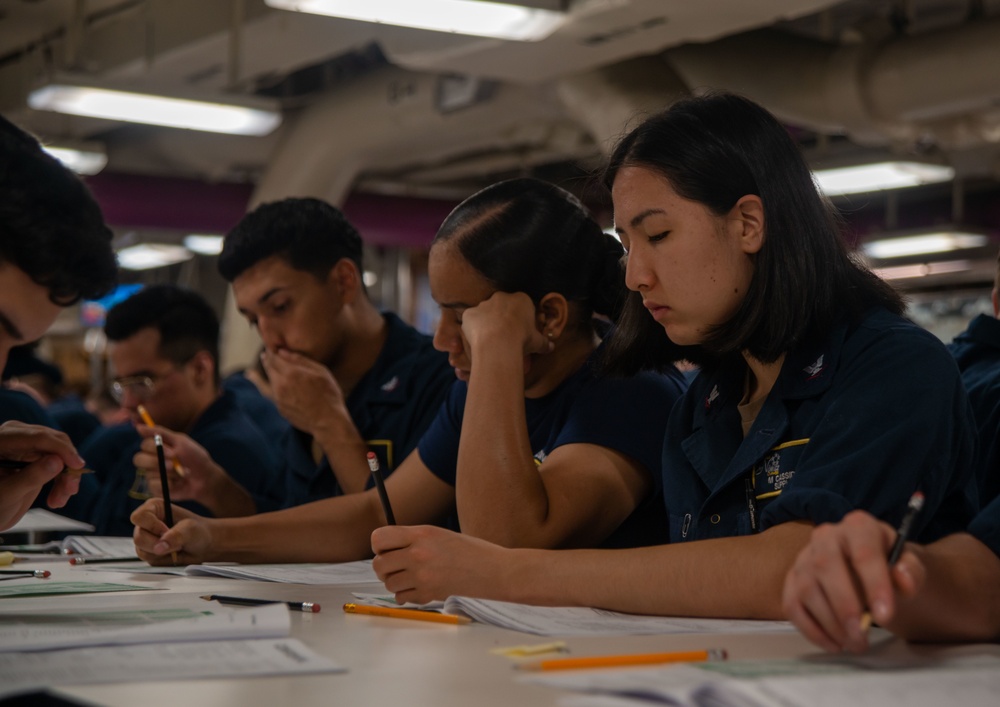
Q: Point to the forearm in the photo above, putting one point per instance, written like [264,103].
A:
[345,449]
[226,498]
[498,491]
[738,577]
[331,530]
[960,600]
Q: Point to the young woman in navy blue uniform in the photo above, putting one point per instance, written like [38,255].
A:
[532,446]
[815,396]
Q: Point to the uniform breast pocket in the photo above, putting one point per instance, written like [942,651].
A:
[772,474]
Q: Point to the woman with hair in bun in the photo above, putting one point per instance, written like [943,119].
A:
[533,447]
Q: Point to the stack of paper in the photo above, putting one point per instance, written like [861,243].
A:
[578,621]
[38,650]
[972,681]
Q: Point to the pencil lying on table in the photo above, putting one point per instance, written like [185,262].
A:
[619,661]
[100,560]
[414,614]
[309,607]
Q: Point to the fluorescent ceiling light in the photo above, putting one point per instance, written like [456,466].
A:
[146,256]
[923,244]
[880,176]
[903,272]
[78,160]
[203,244]
[475,17]
[154,110]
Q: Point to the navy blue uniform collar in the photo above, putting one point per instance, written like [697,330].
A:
[806,373]
[385,383]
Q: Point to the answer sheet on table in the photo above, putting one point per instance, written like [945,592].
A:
[164,661]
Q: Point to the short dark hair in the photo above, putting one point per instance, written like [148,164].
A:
[715,149]
[526,235]
[185,320]
[50,225]
[309,234]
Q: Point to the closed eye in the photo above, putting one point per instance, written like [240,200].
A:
[658,237]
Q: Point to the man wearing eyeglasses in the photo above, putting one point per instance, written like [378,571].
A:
[348,378]
[164,352]
[54,249]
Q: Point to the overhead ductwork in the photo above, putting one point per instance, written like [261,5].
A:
[938,87]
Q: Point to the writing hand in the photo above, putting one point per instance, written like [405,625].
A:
[155,543]
[422,563]
[843,572]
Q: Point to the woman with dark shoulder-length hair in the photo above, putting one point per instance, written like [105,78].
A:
[532,446]
[815,395]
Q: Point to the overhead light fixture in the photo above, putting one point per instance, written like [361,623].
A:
[880,176]
[203,244]
[905,272]
[150,109]
[473,17]
[926,243]
[146,256]
[81,160]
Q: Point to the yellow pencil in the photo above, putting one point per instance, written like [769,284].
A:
[14,464]
[618,661]
[148,419]
[414,614]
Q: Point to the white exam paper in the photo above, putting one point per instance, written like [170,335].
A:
[579,621]
[160,661]
[27,632]
[360,572]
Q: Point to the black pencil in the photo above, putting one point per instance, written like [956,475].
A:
[100,560]
[380,485]
[912,509]
[40,574]
[168,512]
[309,607]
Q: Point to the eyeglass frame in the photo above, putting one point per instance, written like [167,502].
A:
[147,382]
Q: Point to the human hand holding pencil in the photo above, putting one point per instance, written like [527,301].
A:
[150,424]
[845,572]
[155,541]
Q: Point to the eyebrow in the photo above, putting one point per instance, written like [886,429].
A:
[260,300]
[145,373]
[643,215]
[10,327]
[455,305]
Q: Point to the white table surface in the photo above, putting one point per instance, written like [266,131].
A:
[391,662]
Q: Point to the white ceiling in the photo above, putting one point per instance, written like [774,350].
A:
[383,108]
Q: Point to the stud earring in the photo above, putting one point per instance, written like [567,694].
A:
[550,335]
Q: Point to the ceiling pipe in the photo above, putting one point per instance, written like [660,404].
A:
[376,119]
[882,90]
[612,99]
